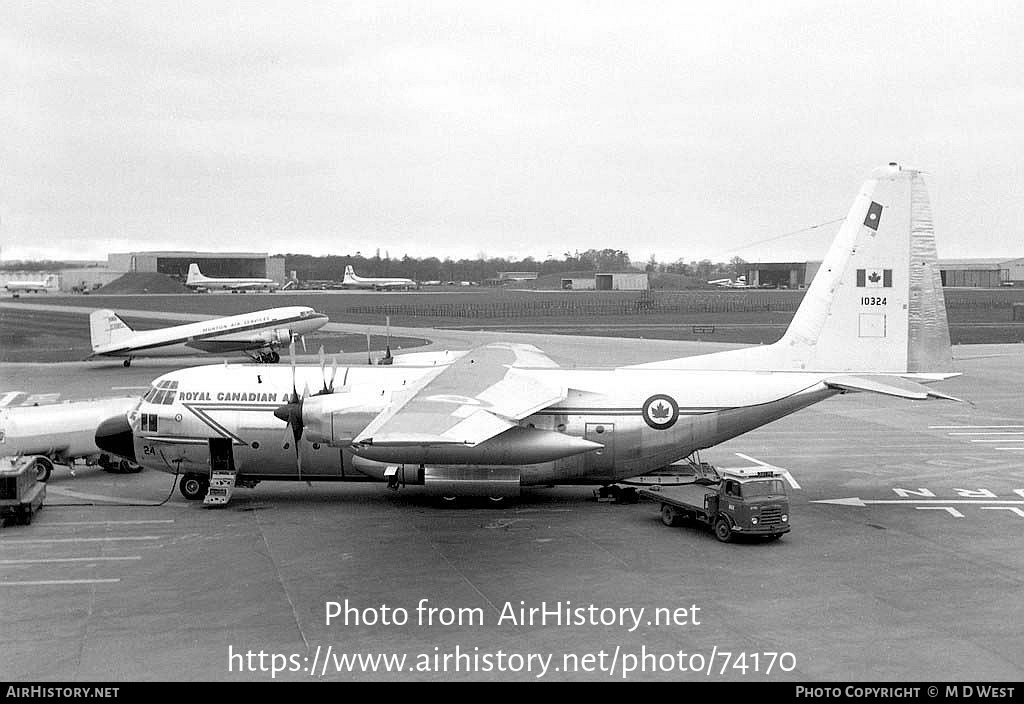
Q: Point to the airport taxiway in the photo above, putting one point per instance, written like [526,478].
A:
[904,561]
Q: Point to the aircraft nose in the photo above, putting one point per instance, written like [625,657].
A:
[114,435]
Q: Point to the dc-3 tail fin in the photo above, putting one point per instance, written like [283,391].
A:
[194,275]
[875,306]
[105,327]
[349,272]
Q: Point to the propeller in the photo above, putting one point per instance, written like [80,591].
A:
[291,412]
[387,358]
[328,385]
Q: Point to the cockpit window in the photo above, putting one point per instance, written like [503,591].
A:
[163,393]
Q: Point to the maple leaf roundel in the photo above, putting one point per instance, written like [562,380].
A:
[660,411]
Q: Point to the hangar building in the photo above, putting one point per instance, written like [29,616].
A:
[623,281]
[781,274]
[216,264]
[982,273]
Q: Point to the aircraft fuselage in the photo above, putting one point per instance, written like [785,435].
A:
[642,420]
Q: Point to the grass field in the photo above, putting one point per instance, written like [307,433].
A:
[975,315]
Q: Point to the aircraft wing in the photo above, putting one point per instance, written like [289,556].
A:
[884,384]
[471,400]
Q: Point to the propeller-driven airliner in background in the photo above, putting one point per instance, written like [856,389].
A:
[375,283]
[197,281]
[504,415]
[259,334]
[49,283]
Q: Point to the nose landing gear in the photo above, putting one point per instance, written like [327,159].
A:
[194,486]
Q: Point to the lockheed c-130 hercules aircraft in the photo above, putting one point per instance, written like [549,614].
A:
[502,416]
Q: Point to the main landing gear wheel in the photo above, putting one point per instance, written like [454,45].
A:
[274,357]
[669,516]
[127,362]
[43,468]
[723,531]
[193,486]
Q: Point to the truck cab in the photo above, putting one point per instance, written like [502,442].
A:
[755,502]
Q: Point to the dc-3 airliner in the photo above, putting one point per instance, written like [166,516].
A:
[502,416]
[258,334]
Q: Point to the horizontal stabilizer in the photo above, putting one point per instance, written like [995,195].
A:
[887,385]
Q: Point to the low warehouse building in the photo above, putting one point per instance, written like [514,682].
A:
[579,284]
[981,273]
[628,281]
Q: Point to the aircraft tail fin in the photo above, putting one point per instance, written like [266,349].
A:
[350,274]
[194,275]
[105,327]
[876,302]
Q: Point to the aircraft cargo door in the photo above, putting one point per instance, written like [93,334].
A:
[603,433]
[222,456]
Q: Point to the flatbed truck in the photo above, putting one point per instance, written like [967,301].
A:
[741,502]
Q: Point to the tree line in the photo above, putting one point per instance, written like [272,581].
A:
[332,267]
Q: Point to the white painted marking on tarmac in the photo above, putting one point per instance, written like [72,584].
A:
[37,560]
[47,582]
[948,509]
[855,501]
[99,497]
[107,539]
[1018,511]
[108,523]
[785,472]
[963,427]
[990,432]
[1000,440]
[1012,449]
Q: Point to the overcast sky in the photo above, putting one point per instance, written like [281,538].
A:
[458,128]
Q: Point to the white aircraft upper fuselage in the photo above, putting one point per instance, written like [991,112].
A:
[259,330]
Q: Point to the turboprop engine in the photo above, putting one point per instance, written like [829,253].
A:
[336,419]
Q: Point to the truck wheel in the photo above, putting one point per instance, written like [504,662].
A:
[669,516]
[723,531]
[43,468]
[193,487]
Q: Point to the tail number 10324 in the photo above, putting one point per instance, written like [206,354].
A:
[872,300]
